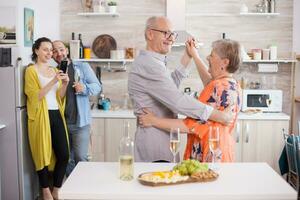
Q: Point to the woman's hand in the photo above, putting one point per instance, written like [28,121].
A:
[63,77]
[191,48]
[147,119]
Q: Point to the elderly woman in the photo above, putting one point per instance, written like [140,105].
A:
[221,91]
[45,88]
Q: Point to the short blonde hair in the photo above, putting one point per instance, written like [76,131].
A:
[231,50]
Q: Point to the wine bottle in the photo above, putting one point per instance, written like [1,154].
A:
[73,36]
[223,35]
[126,152]
[81,56]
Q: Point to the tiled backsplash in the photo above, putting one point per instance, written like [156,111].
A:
[128,30]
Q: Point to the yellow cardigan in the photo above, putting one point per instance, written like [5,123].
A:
[38,121]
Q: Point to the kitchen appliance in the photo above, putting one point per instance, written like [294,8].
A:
[5,57]
[264,100]
[10,38]
[18,178]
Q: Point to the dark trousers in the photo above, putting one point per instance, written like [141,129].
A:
[61,151]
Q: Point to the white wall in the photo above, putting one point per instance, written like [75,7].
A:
[296,27]
[46,24]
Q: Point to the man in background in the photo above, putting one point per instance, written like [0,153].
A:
[83,83]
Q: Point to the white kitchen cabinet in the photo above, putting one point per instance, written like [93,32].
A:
[259,141]
[114,130]
[96,150]
[105,137]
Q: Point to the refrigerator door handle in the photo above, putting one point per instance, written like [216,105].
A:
[19,80]
[2,126]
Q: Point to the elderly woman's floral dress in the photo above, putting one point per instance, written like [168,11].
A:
[220,94]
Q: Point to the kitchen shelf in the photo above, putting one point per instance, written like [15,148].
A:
[182,44]
[211,14]
[92,14]
[230,14]
[104,60]
[270,61]
[108,61]
[260,14]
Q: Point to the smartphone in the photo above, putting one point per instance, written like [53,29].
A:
[63,66]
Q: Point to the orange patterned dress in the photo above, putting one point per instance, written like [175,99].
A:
[219,94]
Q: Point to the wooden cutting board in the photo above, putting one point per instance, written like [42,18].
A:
[189,180]
[103,44]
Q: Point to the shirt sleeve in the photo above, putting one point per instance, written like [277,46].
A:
[179,74]
[92,85]
[161,87]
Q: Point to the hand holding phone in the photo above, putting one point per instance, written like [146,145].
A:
[63,66]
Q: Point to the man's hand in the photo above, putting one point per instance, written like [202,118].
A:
[79,87]
[191,48]
[147,119]
[225,117]
[228,115]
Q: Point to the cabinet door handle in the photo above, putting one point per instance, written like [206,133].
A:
[247,133]
[237,133]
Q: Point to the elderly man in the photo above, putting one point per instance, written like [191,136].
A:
[77,110]
[152,86]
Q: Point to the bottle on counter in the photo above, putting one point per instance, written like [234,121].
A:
[273,52]
[100,101]
[81,55]
[126,152]
[223,35]
[272,6]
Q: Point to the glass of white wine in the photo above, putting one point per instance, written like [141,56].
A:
[174,142]
[268,102]
[76,77]
[214,142]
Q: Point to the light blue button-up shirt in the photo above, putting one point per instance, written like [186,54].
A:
[91,87]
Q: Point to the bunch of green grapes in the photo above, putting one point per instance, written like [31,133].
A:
[189,167]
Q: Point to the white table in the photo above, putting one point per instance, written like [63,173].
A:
[243,181]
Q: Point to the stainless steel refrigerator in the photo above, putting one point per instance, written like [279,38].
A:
[18,179]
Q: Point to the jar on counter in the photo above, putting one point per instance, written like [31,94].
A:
[273,52]
[256,54]
[87,53]
[266,54]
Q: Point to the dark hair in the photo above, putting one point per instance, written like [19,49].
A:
[37,45]
[229,49]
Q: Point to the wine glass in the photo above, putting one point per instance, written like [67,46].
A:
[174,142]
[214,142]
[268,102]
[76,77]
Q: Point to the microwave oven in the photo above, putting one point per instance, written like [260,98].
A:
[264,100]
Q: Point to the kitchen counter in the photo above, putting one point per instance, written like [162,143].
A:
[243,181]
[112,114]
[129,114]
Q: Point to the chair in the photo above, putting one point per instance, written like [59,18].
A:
[292,151]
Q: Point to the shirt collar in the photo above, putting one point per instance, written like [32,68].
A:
[158,56]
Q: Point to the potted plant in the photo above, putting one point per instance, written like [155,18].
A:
[112,6]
